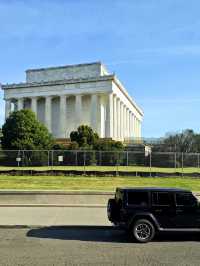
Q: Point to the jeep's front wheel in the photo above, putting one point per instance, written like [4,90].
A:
[143,231]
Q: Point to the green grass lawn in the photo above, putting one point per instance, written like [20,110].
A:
[92,183]
[108,168]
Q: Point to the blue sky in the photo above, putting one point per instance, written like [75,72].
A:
[153,46]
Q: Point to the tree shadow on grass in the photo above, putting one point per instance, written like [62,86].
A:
[102,234]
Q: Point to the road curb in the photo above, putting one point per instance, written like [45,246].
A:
[51,227]
[61,192]
[55,205]
[55,192]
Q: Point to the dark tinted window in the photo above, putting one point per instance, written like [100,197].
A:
[138,198]
[160,198]
[118,195]
[185,199]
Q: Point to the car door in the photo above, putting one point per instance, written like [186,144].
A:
[137,202]
[162,208]
[187,211]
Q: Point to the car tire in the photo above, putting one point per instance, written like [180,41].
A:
[112,210]
[142,231]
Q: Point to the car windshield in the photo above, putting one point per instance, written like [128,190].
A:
[196,198]
[186,199]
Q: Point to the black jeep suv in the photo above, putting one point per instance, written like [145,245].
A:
[145,211]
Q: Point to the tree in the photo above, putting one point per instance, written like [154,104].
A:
[84,136]
[0,136]
[182,142]
[197,143]
[108,145]
[22,131]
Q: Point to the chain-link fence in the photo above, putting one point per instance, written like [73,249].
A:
[101,160]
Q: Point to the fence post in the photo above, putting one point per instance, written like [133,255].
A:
[52,157]
[150,162]
[76,158]
[23,159]
[48,159]
[23,162]
[182,162]
[94,158]
[84,161]
[127,158]
[100,158]
[175,160]
[19,155]
[117,170]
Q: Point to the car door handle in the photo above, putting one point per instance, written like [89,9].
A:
[179,211]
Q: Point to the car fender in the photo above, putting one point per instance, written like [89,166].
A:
[144,215]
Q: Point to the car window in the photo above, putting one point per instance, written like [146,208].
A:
[185,199]
[160,198]
[137,198]
[118,195]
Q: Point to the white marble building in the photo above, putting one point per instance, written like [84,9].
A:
[65,97]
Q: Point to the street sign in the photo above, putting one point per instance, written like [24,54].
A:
[60,158]
[147,150]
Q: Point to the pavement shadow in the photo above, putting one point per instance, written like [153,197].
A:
[102,234]
[82,233]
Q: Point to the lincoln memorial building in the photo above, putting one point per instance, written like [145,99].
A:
[68,96]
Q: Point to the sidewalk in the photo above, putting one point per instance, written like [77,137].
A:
[53,208]
[53,216]
[53,198]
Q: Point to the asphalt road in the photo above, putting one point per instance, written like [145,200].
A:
[93,246]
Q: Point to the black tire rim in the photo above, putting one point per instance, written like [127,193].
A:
[143,231]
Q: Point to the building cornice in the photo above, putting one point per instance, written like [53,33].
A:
[123,90]
[74,81]
[56,82]
[63,67]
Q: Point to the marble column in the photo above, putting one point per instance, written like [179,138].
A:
[34,105]
[109,117]
[118,120]
[122,122]
[115,117]
[78,110]
[7,108]
[94,108]
[128,125]
[131,125]
[125,123]
[135,128]
[63,116]
[20,104]
[139,129]
[101,116]
[48,112]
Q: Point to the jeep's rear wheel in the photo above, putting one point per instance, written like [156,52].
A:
[143,231]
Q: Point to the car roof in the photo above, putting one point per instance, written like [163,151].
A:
[162,189]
